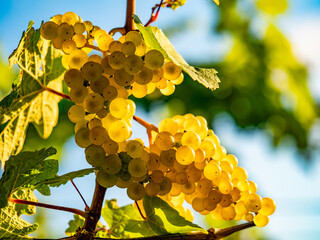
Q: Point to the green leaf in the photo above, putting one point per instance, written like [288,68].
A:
[63,179]
[11,225]
[41,67]
[175,4]
[161,219]
[155,39]
[74,224]
[119,218]
[27,170]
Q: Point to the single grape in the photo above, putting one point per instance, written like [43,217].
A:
[106,180]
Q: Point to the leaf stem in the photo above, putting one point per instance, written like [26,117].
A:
[66,209]
[84,201]
[139,209]
[56,92]
[87,45]
[154,17]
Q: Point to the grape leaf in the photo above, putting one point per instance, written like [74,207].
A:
[155,39]
[27,170]
[11,225]
[161,219]
[63,179]
[174,4]
[28,102]
[74,224]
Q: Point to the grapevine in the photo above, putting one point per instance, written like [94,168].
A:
[183,160]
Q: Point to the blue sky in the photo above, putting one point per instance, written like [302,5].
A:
[277,172]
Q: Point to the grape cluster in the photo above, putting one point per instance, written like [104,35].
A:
[185,161]
[203,174]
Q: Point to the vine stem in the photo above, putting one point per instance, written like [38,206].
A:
[154,17]
[150,127]
[37,204]
[213,234]
[84,201]
[139,209]
[56,92]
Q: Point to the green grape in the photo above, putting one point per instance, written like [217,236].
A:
[253,202]
[208,204]
[95,58]
[57,18]
[91,71]
[79,28]
[57,42]
[144,76]
[98,135]
[132,108]
[115,46]
[228,213]
[135,148]
[119,131]
[153,59]
[99,85]
[193,174]
[226,200]
[192,124]
[215,195]
[123,184]
[65,31]
[248,217]
[81,124]
[267,207]
[175,189]
[107,69]
[76,113]
[125,157]
[153,162]
[236,194]
[181,178]
[77,58]
[135,37]
[137,167]
[152,189]
[94,102]
[157,176]
[240,208]
[191,139]
[165,186]
[164,141]
[133,64]
[94,122]
[169,89]
[232,159]
[171,71]
[260,220]
[226,166]
[188,188]
[204,186]
[110,146]
[70,18]
[239,173]
[138,90]
[209,147]
[73,78]
[68,46]
[78,94]
[179,80]
[110,93]
[185,155]
[225,187]
[168,125]
[128,48]
[88,25]
[48,30]
[116,60]
[168,157]
[157,75]
[136,191]
[102,113]
[106,180]
[95,155]
[197,204]
[112,164]
[82,137]
[123,78]
[119,107]
[212,170]
[200,155]
[104,41]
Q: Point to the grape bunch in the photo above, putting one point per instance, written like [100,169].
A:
[184,162]
[203,174]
